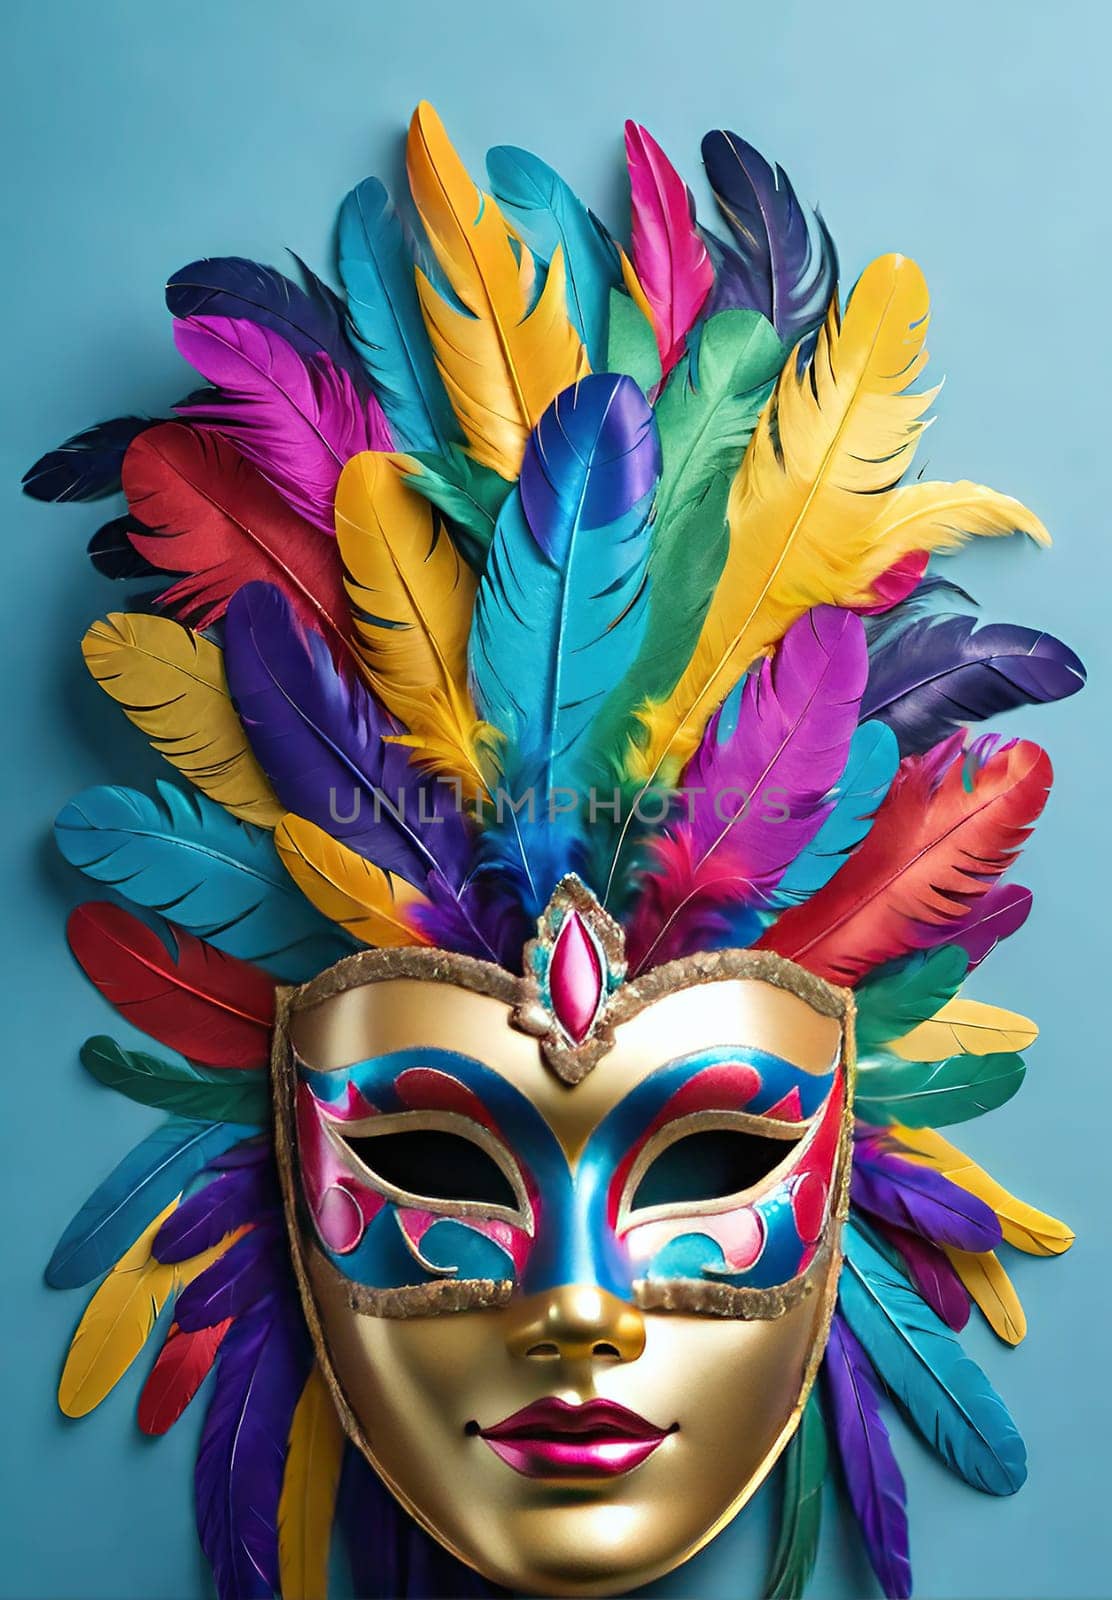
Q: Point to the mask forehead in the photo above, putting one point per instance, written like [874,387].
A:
[681,1013]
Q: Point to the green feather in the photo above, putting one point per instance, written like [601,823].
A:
[230,1095]
[901,995]
[801,1508]
[631,343]
[934,1094]
[469,494]
[706,416]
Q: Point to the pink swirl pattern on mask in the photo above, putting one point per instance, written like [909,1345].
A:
[340,1205]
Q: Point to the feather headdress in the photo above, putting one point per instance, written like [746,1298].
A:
[524,510]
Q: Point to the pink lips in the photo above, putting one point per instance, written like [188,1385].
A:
[552,1439]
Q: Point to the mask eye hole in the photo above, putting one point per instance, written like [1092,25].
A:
[711,1164]
[434,1164]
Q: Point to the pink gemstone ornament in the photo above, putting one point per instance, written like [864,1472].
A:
[575,978]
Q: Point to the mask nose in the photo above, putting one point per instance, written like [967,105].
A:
[575,1323]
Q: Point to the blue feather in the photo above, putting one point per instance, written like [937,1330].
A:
[213,875]
[377,272]
[88,465]
[947,1395]
[562,606]
[551,216]
[873,758]
[130,1198]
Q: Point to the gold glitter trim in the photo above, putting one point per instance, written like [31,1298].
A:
[696,1295]
[423,1299]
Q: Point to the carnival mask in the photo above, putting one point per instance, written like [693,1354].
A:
[570,747]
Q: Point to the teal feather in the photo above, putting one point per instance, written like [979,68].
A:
[217,877]
[561,608]
[873,759]
[934,1094]
[469,494]
[130,1198]
[389,330]
[804,1472]
[631,345]
[901,994]
[550,216]
[947,1396]
[219,1095]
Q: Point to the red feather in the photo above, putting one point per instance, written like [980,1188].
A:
[213,1008]
[213,516]
[935,847]
[183,1364]
[669,255]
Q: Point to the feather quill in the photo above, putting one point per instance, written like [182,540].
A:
[213,1008]
[939,674]
[934,849]
[947,1396]
[138,1190]
[171,685]
[298,421]
[993,1291]
[235,1282]
[935,1093]
[669,255]
[412,597]
[813,514]
[208,513]
[377,272]
[1022,1226]
[371,905]
[786,750]
[914,1197]
[231,1202]
[183,1364]
[86,467]
[549,216]
[997,915]
[308,1500]
[931,1271]
[502,356]
[797,1545]
[217,877]
[969,1026]
[897,997]
[875,1482]
[177,1086]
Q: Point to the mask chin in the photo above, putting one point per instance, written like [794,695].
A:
[575,1376]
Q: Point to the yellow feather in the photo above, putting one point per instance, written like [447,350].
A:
[119,1318]
[812,513]
[501,362]
[308,1498]
[349,890]
[965,1026]
[991,1289]
[634,289]
[1031,1231]
[170,682]
[412,598]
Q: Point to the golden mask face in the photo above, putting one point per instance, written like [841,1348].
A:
[570,1278]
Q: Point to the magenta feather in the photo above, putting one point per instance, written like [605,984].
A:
[669,255]
[893,1190]
[757,790]
[931,1273]
[263,1363]
[873,1477]
[299,420]
[995,916]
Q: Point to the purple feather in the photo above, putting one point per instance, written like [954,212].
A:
[873,1477]
[758,787]
[931,1273]
[262,1367]
[204,1218]
[996,915]
[919,1199]
[248,1153]
[939,673]
[784,263]
[485,919]
[238,1280]
[322,743]
[299,421]
[311,318]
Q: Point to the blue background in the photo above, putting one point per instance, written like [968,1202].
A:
[974,136]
